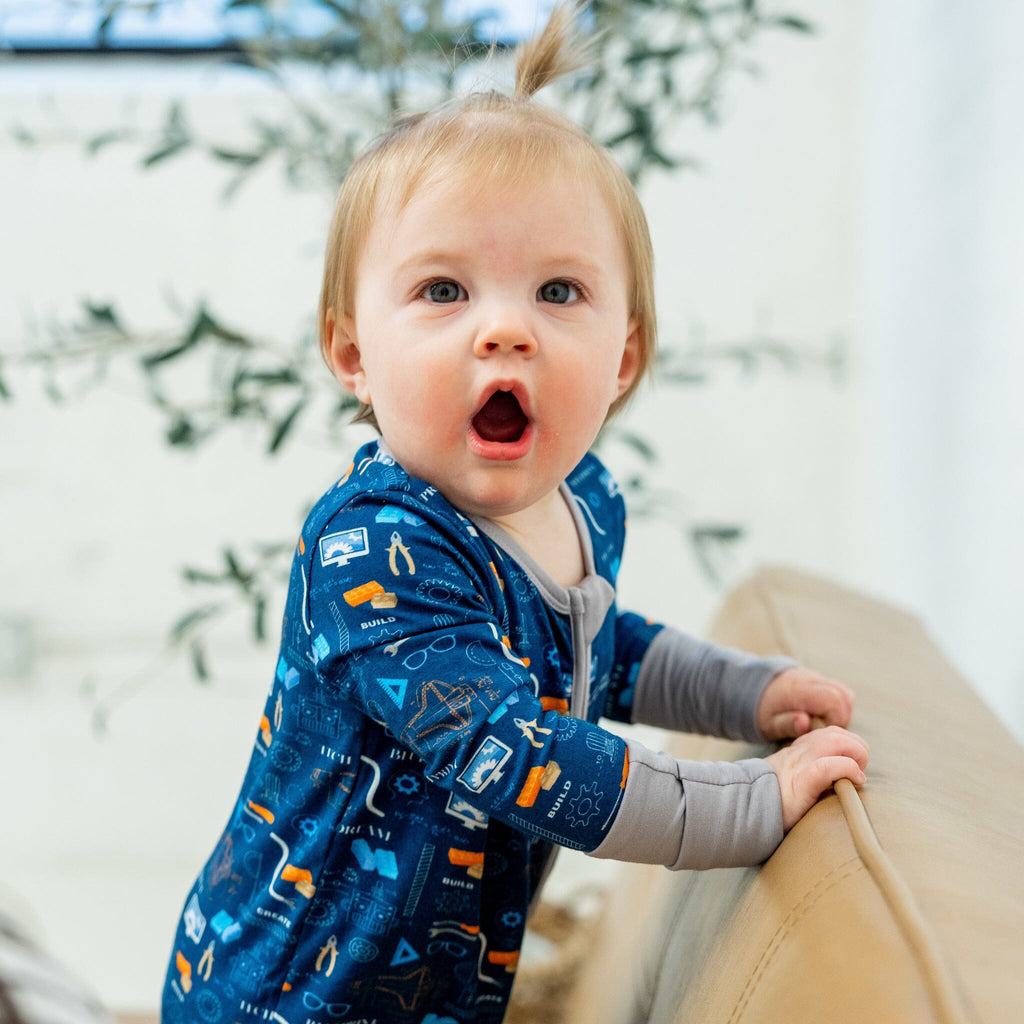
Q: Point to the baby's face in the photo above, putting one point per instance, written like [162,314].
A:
[491,334]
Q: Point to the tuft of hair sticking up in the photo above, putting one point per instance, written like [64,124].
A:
[557,51]
[489,139]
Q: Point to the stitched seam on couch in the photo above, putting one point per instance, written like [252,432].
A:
[893,889]
[900,900]
[824,884]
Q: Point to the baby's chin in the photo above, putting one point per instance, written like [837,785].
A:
[485,478]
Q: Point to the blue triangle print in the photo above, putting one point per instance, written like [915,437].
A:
[395,689]
[405,954]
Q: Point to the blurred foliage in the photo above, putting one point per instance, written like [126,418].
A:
[246,381]
[349,65]
[340,75]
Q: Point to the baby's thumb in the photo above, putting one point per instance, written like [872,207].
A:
[788,724]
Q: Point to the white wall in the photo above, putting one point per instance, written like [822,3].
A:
[942,317]
[809,217]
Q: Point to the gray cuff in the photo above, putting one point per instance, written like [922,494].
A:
[695,814]
[689,685]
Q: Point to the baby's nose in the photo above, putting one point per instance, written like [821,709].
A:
[504,333]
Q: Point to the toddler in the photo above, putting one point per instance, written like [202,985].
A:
[451,636]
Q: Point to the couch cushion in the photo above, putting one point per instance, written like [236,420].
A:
[902,902]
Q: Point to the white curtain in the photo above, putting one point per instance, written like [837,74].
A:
[943,304]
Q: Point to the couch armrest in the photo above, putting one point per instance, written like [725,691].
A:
[903,902]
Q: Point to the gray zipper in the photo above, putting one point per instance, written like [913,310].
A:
[581,647]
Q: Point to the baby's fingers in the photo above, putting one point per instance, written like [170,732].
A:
[814,762]
[827,771]
[835,741]
[811,780]
[830,702]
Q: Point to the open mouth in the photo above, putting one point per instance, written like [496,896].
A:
[501,420]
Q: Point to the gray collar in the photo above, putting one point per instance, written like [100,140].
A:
[589,600]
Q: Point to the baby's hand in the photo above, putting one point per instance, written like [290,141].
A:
[812,763]
[795,696]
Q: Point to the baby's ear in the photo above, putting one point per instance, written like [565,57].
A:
[630,365]
[344,356]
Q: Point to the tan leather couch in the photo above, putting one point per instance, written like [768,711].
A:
[901,902]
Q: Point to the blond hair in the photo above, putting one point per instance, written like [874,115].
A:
[482,138]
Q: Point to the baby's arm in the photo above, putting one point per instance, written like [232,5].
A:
[691,685]
[708,814]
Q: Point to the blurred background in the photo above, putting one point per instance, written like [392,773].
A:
[834,197]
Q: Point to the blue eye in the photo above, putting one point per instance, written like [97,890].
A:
[444,291]
[559,292]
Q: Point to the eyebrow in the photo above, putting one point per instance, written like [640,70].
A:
[568,263]
[425,256]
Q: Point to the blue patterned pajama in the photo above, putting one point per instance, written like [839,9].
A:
[427,737]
